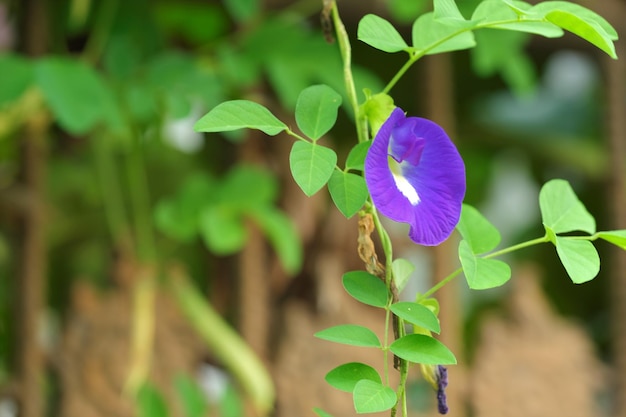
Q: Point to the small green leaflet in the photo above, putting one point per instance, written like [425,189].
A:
[417,314]
[356,157]
[239,114]
[481,273]
[419,348]
[380,34]
[345,377]
[480,234]
[562,211]
[350,334]
[311,166]
[433,36]
[579,257]
[316,110]
[348,191]
[402,270]
[366,288]
[373,397]
[321,413]
[616,237]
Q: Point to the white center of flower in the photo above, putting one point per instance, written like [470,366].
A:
[407,190]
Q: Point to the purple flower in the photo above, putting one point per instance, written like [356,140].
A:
[415,175]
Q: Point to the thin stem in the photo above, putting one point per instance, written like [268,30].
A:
[439,285]
[519,246]
[140,202]
[415,55]
[346,56]
[112,194]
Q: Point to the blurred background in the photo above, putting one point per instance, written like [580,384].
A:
[148,270]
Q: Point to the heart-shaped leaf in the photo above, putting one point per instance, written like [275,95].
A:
[579,257]
[480,273]
[562,211]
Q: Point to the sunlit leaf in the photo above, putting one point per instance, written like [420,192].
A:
[419,348]
[434,37]
[380,34]
[345,377]
[239,114]
[316,110]
[480,273]
[494,14]
[562,211]
[350,334]
[372,397]
[477,231]
[616,237]
[366,288]
[579,257]
[311,166]
[348,191]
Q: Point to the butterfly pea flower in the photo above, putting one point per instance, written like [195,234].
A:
[415,175]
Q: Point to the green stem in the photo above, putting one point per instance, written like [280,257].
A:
[140,202]
[415,55]
[519,246]
[112,199]
[346,56]
[439,285]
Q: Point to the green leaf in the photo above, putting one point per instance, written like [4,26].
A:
[616,237]
[562,211]
[281,233]
[579,257]
[350,334]
[356,158]
[192,398]
[345,377]
[580,21]
[417,314]
[477,231]
[19,77]
[366,288]
[316,110]
[311,166]
[446,9]
[77,95]
[348,191]
[239,114]
[150,402]
[491,14]
[480,273]
[380,34]
[373,397]
[419,348]
[222,229]
[402,270]
[433,36]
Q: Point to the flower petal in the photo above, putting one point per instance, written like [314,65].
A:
[428,191]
